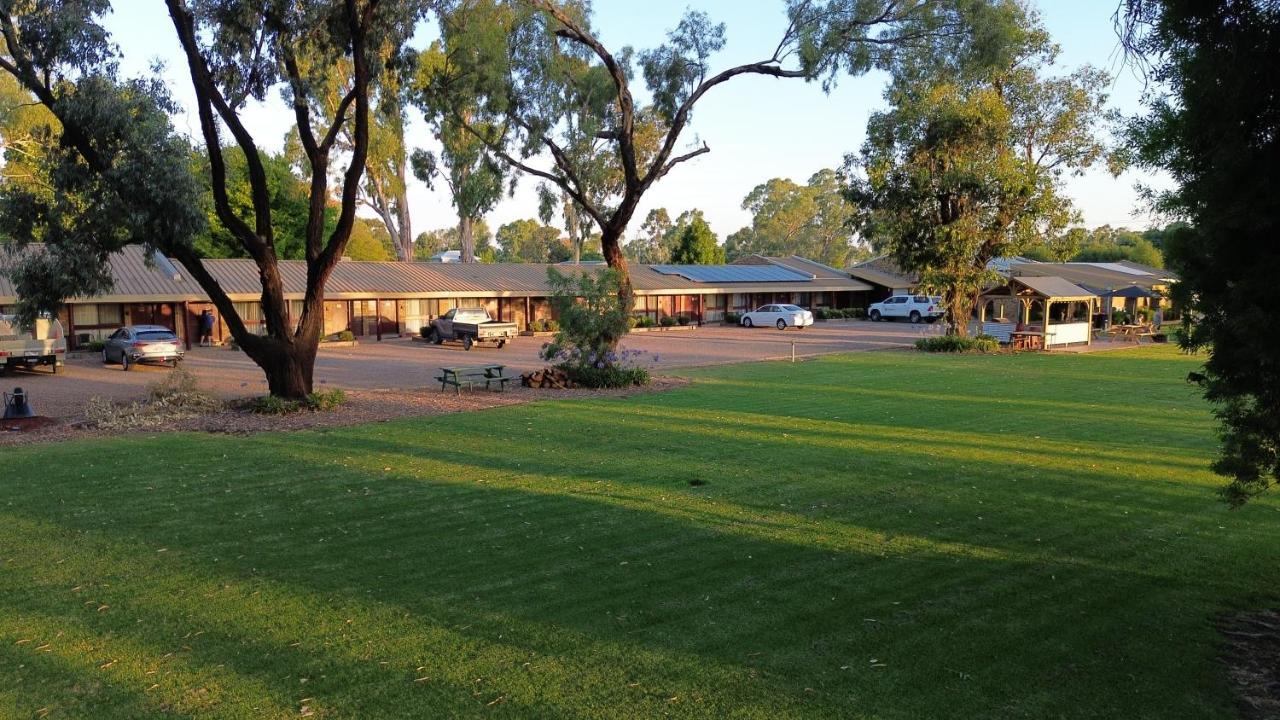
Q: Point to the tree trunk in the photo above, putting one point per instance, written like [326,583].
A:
[612,249]
[466,236]
[404,233]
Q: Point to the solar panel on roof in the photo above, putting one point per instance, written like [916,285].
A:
[734,273]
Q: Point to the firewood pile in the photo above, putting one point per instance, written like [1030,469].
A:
[547,378]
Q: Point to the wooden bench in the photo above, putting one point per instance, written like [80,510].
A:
[473,376]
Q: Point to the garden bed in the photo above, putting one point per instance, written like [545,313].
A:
[659,328]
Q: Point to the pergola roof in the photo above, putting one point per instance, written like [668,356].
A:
[1053,288]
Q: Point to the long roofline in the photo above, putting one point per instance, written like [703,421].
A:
[365,280]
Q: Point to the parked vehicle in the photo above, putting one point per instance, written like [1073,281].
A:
[910,307]
[469,326]
[142,344]
[779,316]
[43,344]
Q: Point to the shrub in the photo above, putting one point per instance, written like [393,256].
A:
[667,321]
[732,318]
[1120,317]
[95,346]
[272,405]
[610,376]
[958,344]
[855,313]
[646,322]
[683,320]
[326,400]
[346,336]
[425,331]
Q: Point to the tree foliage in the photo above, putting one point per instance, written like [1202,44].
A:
[289,200]
[696,244]
[1213,123]
[814,220]
[653,244]
[967,163]
[529,241]
[474,178]
[120,174]
[549,87]
[431,242]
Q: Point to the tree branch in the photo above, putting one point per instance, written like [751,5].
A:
[208,97]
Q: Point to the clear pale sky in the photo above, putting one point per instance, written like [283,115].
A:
[757,128]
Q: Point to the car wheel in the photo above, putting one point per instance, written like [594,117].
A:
[466,342]
[124,362]
[106,360]
[174,363]
[915,317]
[875,316]
[782,324]
[746,322]
[435,337]
[502,344]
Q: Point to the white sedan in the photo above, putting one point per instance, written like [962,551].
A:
[780,316]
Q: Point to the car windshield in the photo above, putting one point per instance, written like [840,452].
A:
[156,335]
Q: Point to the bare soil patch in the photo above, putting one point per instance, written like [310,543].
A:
[1253,661]
[361,406]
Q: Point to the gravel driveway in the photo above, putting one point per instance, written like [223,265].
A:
[406,364]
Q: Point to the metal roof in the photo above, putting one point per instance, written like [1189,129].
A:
[135,278]
[167,281]
[1054,287]
[1098,275]
[734,273]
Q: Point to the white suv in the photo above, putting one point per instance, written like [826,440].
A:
[912,307]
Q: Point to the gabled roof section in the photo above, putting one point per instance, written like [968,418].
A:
[1053,287]
[1101,276]
[797,263]
[885,272]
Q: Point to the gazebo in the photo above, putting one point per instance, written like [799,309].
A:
[1052,308]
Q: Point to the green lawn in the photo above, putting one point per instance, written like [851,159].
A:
[879,535]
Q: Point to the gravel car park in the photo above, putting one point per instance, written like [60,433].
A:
[401,363]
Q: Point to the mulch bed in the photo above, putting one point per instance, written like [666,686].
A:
[1253,661]
[362,406]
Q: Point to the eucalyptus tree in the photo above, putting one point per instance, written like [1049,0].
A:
[967,163]
[548,86]
[814,220]
[117,148]
[473,176]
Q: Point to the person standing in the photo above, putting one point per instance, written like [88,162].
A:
[207,321]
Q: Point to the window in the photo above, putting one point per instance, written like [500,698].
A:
[449,315]
[157,335]
[922,299]
[119,334]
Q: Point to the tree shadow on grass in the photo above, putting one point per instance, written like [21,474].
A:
[729,612]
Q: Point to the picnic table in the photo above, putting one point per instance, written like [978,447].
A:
[1026,340]
[473,376]
[1133,333]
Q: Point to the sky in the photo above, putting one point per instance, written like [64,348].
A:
[757,128]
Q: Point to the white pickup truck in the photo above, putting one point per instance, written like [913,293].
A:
[44,344]
[909,307]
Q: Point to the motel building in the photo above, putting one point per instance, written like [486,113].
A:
[382,300]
